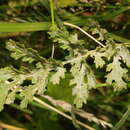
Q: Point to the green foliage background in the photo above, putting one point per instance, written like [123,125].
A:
[75,52]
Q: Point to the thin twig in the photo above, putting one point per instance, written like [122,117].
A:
[61,113]
[10,127]
[68,107]
[75,26]
[53,50]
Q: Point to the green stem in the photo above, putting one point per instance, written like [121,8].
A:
[52,12]
[53,23]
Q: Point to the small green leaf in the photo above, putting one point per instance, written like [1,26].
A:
[91,80]
[80,90]
[125,55]
[60,73]
[116,74]
[100,32]
[28,94]
[16,49]
[98,60]
[4,88]
[73,38]
[110,50]
[20,51]
[6,73]
[11,96]
[40,79]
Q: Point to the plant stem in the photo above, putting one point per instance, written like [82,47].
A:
[61,113]
[53,23]
[53,50]
[75,26]
[52,12]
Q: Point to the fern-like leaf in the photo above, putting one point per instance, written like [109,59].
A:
[116,74]
[59,74]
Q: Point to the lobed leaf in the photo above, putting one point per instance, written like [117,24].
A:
[4,88]
[116,74]
[56,77]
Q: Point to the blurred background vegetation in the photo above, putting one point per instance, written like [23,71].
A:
[112,15]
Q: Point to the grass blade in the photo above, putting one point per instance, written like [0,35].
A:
[24,27]
[122,121]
